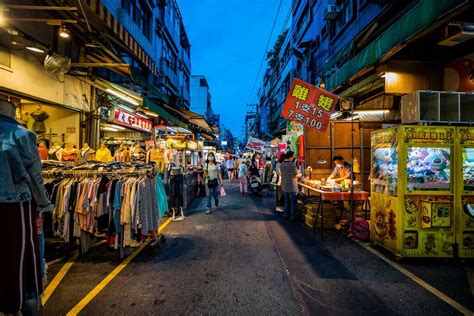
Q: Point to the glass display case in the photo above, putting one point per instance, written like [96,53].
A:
[428,168]
[385,169]
[468,168]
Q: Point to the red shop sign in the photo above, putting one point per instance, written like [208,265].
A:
[131,120]
[309,105]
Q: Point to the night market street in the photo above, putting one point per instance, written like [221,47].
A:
[236,157]
[245,259]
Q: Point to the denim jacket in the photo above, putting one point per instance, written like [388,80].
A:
[20,166]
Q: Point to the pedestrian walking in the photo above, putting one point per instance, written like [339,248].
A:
[243,171]
[289,186]
[230,165]
[23,198]
[237,163]
[280,197]
[213,176]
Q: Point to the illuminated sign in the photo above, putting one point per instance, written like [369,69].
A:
[192,145]
[133,121]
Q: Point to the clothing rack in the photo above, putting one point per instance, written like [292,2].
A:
[150,172]
[84,174]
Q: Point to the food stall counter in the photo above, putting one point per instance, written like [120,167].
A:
[329,196]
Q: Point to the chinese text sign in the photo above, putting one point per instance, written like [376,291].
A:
[309,105]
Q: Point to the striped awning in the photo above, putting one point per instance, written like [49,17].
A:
[114,25]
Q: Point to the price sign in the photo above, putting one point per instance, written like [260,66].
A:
[255,144]
[309,105]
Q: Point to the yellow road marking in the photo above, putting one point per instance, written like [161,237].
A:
[460,308]
[57,279]
[92,294]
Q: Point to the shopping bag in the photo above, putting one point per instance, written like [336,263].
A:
[223,191]
[360,229]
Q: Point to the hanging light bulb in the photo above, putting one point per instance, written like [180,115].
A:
[64,32]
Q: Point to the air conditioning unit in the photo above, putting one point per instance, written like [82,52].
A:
[437,107]
[331,12]
[456,33]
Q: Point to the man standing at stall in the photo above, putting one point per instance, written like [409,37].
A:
[342,171]
[289,185]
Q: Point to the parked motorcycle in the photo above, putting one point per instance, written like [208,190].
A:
[255,185]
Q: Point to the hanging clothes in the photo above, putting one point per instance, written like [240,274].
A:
[55,153]
[125,206]
[69,155]
[161,195]
[103,155]
[85,155]
[39,116]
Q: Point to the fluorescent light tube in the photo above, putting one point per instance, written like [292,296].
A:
[123,97]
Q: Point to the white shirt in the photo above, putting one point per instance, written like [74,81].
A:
[229,164]
[211,170]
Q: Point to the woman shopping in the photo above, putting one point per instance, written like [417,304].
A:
[213,176]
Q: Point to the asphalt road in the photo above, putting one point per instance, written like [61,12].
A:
[245,259]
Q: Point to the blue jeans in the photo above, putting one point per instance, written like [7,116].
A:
[41,251]
[213,192]
[290,204]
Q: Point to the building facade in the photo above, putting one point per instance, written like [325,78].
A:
[372,52]
[157,27]
[89,67]
[201,97]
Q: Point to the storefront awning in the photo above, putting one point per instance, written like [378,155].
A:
[340,57]
[198,120]
[164,113]
[191,117]
[207,137]
[421,16]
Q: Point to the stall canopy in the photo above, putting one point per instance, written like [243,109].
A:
[198,120]
[191,117]
[215,130]
[421,16]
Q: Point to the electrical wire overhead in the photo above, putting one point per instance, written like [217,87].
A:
[265,52]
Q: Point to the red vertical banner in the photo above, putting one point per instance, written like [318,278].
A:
[309,105]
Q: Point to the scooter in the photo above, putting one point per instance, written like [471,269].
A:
[255,185]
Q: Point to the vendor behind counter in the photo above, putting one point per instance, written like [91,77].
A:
[342,170]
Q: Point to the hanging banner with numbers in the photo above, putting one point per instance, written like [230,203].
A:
[255,144]
[309,105]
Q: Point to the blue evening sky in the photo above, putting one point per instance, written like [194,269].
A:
[228,39]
